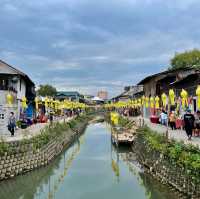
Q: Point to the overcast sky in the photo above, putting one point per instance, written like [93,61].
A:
[90,45]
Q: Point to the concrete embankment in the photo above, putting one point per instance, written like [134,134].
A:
[24,155]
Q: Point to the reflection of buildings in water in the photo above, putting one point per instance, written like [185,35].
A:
[67,165]
[153,188]
[117,153]
[128,156]
[135,169]
[157,189]
[39,183]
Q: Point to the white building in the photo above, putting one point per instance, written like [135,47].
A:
[16,84]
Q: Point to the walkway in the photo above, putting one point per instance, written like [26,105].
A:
[178,135]
[29,132]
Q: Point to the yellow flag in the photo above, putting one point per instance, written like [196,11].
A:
[198,96]
[164,99]
[184,96]
[9,98]
[24,100]
[147,102]
[152,102]
[157,99]
[172,97]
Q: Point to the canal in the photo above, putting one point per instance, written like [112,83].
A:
[90,169]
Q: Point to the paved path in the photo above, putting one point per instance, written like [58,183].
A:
[178,135]
[29,132]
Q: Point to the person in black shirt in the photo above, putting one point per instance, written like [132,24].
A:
[189,123]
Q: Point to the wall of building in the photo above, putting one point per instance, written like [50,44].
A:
[150,88]
[21,92]
[5,110]
[21,89]
[103,95]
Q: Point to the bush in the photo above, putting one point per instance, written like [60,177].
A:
[186,156]
[49,133]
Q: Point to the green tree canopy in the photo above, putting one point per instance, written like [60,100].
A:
[46,90]
[186,59]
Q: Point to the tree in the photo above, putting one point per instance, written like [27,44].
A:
[46,90]
[188,59]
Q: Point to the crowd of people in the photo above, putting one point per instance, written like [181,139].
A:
[190,121]
[40,118]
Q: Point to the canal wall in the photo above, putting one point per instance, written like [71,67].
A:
[22,156]
[170,162]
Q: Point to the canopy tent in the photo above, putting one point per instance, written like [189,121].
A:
[97,99]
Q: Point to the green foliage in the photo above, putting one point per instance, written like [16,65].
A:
[46,90]
[186,156]
[19,123]
[186,59]
[49,133]
[123,121]
[4,147]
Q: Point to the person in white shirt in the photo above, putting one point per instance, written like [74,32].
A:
[163,118]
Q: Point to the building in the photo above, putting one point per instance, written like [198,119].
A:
[103,95]
[88,99]
[161,82]
[189,83]
[69,95]
[130,92]
[17,85]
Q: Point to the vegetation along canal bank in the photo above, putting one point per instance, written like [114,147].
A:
[171,162]
[21,156]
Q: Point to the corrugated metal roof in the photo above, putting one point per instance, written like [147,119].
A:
[146,79]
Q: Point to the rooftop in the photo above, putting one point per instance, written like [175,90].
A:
[67,93]
[17,72]
[167,72]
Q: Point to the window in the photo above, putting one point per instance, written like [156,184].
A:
[1,116]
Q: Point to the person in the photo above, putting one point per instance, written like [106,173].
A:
[197,123]
[163,118]
[172,120]
[189,123]
[12,123]
[51,118]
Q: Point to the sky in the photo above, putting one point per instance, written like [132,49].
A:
[91,45]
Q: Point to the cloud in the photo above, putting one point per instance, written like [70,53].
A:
[92,45]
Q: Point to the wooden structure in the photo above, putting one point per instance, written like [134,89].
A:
[123,136]
[161,82]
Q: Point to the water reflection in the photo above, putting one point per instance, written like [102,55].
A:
[153,188]
[41,183]
[91,168]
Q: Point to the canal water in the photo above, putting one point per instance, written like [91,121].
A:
[90,169]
